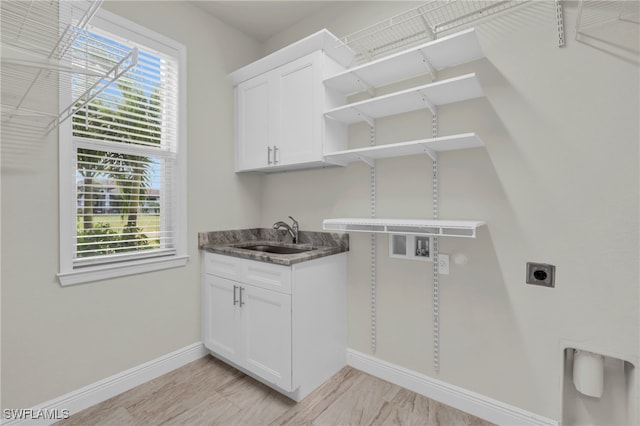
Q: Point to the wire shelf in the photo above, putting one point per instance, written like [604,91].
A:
[611,27]
[422,23]
[41,42]
[445,228]
[594,14]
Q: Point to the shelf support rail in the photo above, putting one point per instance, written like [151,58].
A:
[373,276]
[436,277]
[436,272]
[560,22]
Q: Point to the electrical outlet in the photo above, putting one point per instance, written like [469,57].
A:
[541,274]
[443,264]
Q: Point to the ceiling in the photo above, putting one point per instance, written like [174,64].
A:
[262,19]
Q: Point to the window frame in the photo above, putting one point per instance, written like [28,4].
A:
[70,275]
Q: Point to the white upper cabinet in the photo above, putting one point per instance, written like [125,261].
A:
[299,106]
[254,122]
[280,104]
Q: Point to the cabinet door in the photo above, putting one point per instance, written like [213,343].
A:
[221,317]
[299,106]
[266,320]
[254,123]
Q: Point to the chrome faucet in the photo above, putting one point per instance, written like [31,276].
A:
[293,230]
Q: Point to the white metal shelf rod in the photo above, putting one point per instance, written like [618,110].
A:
[25,112]
[19,56]
[130,60]
[88,16]
[50,65]
[77,29]
[26,92]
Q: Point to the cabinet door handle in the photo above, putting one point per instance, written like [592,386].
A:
[269,155]
[275,154]
[241,302]
[235,301]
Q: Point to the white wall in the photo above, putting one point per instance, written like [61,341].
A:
[56,340]
[557,183]
[342,18]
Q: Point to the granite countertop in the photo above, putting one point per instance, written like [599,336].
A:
[228,242]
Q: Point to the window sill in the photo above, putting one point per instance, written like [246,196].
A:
[97,273]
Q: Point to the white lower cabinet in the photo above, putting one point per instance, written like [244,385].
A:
[222,334]
[283,325]
[266,332]
[250,326]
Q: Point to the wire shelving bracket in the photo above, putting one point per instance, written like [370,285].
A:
[47,50]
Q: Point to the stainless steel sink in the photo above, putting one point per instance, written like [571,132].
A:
[268,248]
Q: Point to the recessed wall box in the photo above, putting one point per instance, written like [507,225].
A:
[422,247]
[541,274]
[398,245]
[412,247]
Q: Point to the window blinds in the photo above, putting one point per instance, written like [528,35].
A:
[125,142]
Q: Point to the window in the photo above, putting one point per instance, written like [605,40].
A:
[122,155]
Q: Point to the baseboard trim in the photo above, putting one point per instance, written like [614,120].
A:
[102,390]
[454,396]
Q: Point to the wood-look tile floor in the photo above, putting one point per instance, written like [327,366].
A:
[209,392]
